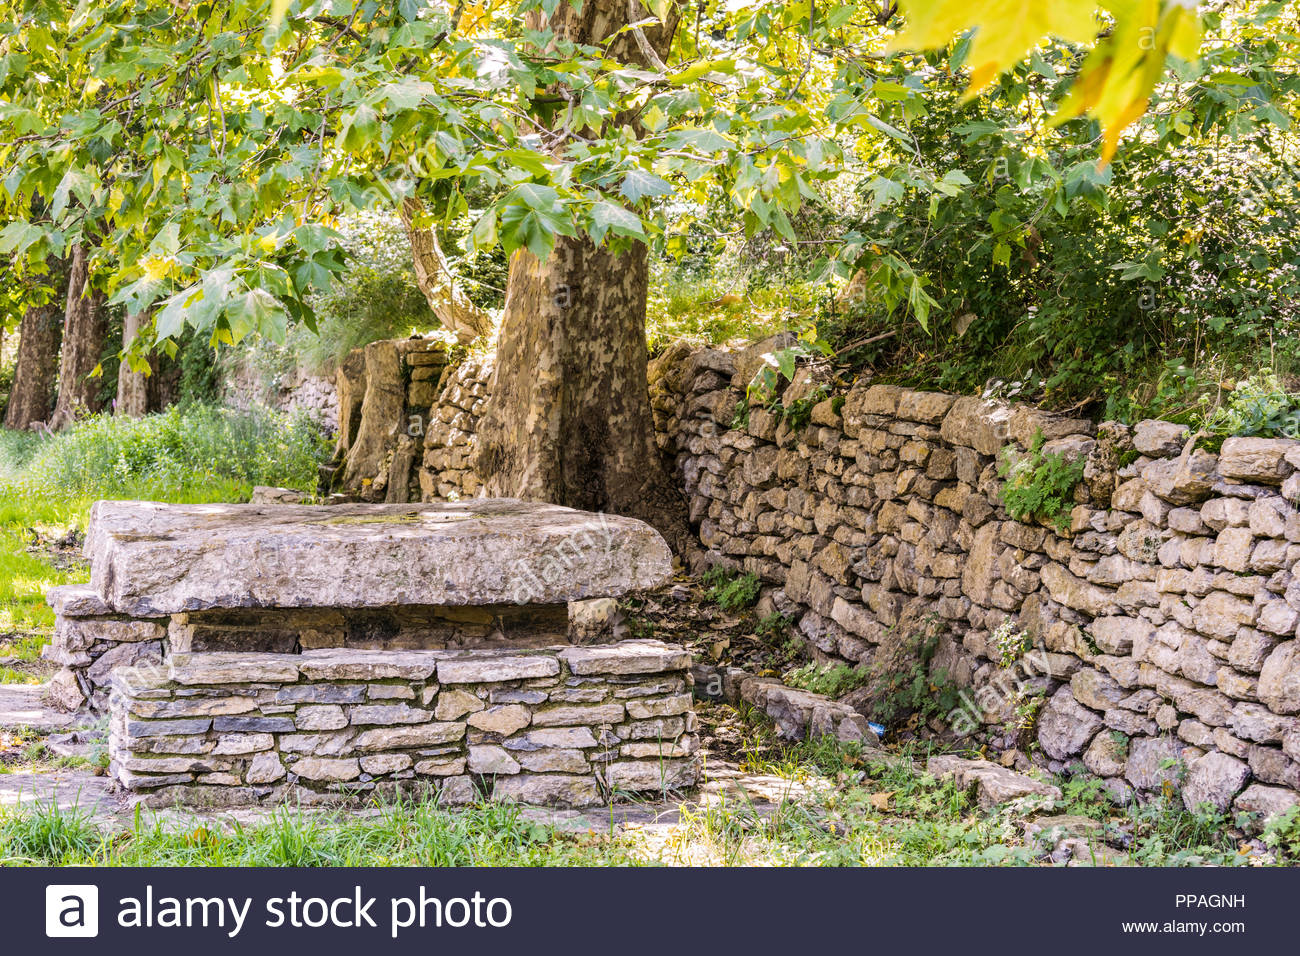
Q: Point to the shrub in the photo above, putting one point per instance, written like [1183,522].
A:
[1039,486]
[1282,834]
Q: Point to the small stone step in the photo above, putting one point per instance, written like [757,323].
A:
[23,705]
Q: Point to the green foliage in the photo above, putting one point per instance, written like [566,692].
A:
[830,680]
[731,590]
[798,413]
[375,298]
[1257,407]
[200,371]
[904,683]
[1282,835]
[46,835]
[1039,486]
[217,450]
[774,626]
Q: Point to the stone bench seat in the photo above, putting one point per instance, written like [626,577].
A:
[152,560]
[247,653]
[288,578]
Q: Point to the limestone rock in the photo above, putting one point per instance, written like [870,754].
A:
[265,768]
[441,767]
[549,789]
[368,665]
[552,761]
[1159,439]
[453,704]
[151,559]
[651,775]
[978,424]
[504,719]
[76,600]
[1266,802]
[1256,459]
[479,668]
[488,758]
[1106,756]
[561,737]
[1065,726]
[417,735]
[379,764]
[1182,481]
[628,657]
[335,769]
[1153,762]
[320,717]
[1215,779]
[1279,681]
[992,784]
[232,668]
[801,714]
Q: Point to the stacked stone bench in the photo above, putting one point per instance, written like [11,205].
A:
[250,654]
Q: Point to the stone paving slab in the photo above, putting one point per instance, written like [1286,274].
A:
[21,705]
[151,559]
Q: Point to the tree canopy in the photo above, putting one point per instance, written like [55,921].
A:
[204,150]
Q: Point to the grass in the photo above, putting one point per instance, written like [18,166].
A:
[175,455]
[844,807]
[404,833]
[723,311]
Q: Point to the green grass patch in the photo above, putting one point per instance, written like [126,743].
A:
[404,833]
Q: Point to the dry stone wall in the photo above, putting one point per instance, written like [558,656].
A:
[408,410]
[1163,620]
[565,726]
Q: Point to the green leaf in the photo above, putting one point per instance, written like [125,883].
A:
[638,184]
[608,217]
[18,237]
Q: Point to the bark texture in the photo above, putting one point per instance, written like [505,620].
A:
[569,419]
[85,328]
[132,386]
[32,394]
[453,309]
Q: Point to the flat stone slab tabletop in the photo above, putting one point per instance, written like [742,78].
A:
[150,560]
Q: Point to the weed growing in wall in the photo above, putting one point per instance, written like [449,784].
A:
[729,589]
[1258,407]
[1039,486]
[831,680]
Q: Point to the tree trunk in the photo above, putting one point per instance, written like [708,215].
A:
[132,386]
[453,309]
[568,417]
[38,360]
[84,330]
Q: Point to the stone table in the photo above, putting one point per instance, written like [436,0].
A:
[257,651]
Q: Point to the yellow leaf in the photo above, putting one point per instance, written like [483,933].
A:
[1117,78]
[278,8]
[1005,30]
